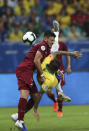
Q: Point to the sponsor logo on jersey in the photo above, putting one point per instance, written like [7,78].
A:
[43,48]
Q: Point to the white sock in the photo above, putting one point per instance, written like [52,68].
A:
[55,46]
[56,38]
[59,87]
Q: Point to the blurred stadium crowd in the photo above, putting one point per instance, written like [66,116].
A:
[19,16]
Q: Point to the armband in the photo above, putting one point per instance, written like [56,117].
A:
[41,75]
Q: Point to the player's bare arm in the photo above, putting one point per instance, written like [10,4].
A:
[75,54]
[37,61]
[68,69]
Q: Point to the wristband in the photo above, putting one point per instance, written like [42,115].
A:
[59,70]
[41,75]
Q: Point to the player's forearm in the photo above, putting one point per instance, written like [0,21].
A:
[64,53]
[68,61]
[38,66]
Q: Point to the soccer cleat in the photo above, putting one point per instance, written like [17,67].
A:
[24,128]
[67,99]
[64,97]
[55,106]
[59,114]
[14,116]
[56,26]
[20,124]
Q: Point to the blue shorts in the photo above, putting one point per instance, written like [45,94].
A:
[58,77]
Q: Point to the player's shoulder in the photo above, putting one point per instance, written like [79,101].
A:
[61,42]
[43,45]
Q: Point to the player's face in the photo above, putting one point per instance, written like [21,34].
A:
[50,41]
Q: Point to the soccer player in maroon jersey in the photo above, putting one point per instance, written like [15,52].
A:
[60,46]
[58,104]
[24,73]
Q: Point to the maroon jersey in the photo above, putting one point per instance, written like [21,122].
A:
[62,47]
[25,69]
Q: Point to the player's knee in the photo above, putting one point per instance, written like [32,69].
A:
[24,94]
[49,92]
[36,94]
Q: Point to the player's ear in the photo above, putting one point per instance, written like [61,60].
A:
[45,38]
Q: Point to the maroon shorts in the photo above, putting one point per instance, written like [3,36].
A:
[62,81]
[23,86]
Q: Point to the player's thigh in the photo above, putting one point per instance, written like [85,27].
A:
[49,92]
[24,94]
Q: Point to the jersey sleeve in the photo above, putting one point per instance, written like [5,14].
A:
[42,49]
[64,47]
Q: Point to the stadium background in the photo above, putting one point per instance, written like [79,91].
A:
[12,50]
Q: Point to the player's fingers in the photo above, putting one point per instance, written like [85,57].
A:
[79,55]
[36,116]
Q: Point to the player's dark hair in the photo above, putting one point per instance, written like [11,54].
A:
[49,33]
[54,65]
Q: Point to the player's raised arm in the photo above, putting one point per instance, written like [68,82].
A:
[75,54]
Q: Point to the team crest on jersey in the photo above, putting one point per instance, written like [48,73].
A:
[43,48]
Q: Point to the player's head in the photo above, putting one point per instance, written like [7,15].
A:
[54,65]
[49,37]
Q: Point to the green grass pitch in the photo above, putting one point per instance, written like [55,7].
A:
[76,118]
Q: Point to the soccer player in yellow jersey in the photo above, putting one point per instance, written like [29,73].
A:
[50,67]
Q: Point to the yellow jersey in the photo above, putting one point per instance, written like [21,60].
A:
[50,78]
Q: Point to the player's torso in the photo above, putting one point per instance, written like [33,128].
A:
[50,79]
[46,61]
[29,59]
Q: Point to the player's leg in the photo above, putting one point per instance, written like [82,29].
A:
[52,97]
[30,102]
[24,93]
[25,89]
[61,97]
[29,106]
[55,105]
[60,104]
[56,26]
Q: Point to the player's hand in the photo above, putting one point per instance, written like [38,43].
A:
[42,78]
[61,74]
[77,54]
[36,115]
[68,70]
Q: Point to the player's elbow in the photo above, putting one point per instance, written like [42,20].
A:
[35,61]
